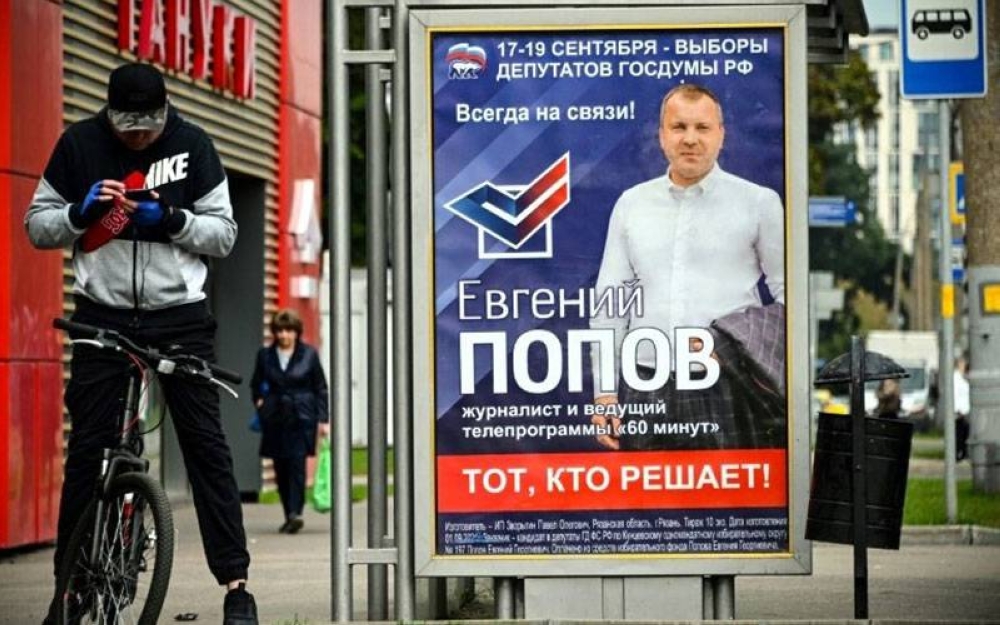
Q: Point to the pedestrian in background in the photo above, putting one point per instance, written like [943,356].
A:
[290,393]
[962,403]
[889,401]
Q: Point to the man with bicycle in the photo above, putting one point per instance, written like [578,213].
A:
[139,269]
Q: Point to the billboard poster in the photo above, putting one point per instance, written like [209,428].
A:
[608,344]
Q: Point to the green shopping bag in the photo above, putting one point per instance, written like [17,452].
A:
[321,480]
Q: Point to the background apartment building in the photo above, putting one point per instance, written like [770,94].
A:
[900,146]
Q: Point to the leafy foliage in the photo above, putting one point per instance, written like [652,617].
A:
[841,93]
[860,256]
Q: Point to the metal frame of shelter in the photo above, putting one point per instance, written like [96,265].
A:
[821,28]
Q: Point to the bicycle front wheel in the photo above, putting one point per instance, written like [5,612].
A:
[118,559]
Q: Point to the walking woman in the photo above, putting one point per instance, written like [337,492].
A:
[290,392]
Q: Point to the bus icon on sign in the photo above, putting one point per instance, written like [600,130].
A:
[941,30]
[956,22]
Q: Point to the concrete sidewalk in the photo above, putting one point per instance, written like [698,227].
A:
[290,577]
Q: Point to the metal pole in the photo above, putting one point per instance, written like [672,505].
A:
[813,345]
[946,345]
[340,304]
[897,287]
[376,158]
[708,598]
[503,598]
[402,355]
[724,597]
[858,478]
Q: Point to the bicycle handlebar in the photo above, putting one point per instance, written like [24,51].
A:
[82,329]
[152,357]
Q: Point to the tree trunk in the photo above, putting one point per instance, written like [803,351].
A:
[981,138]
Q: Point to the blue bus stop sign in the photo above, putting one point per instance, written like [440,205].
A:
[943,44]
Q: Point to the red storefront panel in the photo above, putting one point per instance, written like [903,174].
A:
[30,375]
[302,84]
[301,130]
[31,77]
[33,282]
[33,458]
[30,281]
[299,158]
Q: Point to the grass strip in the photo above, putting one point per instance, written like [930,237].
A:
[925,504]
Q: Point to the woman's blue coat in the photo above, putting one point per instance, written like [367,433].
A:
[295,400]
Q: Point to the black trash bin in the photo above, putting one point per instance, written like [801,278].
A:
[886,459]
[887,446]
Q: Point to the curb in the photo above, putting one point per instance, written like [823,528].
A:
[949,535]
[837,621]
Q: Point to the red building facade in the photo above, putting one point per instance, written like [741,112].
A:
[250,73]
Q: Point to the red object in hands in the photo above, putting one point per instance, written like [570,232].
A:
[106,228]
[114,221]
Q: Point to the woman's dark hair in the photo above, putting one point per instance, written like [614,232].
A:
[286,319]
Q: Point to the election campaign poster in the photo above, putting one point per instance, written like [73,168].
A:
[608,350]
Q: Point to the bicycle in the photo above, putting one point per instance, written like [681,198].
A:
[118,559]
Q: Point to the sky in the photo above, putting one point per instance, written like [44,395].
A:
[882,13]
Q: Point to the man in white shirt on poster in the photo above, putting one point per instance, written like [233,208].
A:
[697,241]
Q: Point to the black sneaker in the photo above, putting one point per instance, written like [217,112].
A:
[239,608]
[295,524]
[52,619]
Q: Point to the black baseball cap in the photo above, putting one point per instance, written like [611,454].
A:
[137,98]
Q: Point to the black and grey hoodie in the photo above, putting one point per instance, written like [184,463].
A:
[141,268]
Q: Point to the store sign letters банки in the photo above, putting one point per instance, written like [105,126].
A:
[189,33]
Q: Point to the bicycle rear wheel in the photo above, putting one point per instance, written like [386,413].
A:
[122,576]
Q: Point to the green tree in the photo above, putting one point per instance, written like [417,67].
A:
[840,93]
[860,257]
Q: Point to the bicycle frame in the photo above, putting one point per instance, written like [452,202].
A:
[131,533]
[125,457]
